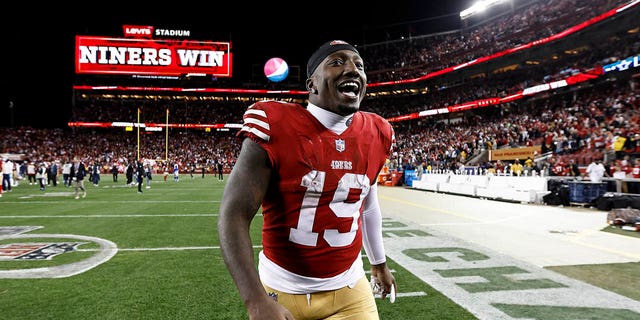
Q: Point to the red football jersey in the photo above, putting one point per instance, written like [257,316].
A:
[312,210]
[635,172]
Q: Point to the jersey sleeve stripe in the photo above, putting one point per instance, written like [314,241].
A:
[256,112]
[260,123]
[256,132]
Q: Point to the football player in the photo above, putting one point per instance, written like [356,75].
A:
[312,170]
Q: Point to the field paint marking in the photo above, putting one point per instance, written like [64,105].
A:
[455,214]
[485,305]
[406,294]
[413,204]
[118,216]
[106,251]
[399,294]
[577,239]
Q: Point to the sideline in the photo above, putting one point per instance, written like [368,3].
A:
[470,250]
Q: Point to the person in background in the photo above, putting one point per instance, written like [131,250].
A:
[312,169]
[129,173]
[77,174]
[41,175]
[516,168]
[140,174]
[596,171]
[634,186]
[1,163]
[219,168]
[573,168]
[7,174]
[95,174]
[165,174]
[148,174]
[114,172]
[53,173]
[528,166]
[31,173]
[66,170]
[558,167]
[22,170]
[500,167]
[176,172]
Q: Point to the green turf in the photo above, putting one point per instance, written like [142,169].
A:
[168,265]
[619,230]
[622,278]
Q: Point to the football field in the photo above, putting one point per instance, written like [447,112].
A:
[118,254]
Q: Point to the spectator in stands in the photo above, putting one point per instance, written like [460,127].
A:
[634,186]
[312,159]
[574,171]
[633,144]
[619,141]
[622,170]
[516,168]
[557,166]
[528,165]
[608,170]
[490,169]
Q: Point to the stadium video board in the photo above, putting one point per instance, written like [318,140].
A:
[158,57]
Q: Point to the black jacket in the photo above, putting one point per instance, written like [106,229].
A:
[80,173]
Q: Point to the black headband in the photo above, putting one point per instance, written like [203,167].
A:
[324,51]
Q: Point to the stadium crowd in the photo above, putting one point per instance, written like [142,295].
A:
[599,119]
[524,22]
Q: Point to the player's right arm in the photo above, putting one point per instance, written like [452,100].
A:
[241,199]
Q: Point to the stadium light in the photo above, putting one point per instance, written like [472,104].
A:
[477,7]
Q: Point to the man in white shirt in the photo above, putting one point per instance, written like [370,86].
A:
[7,173]
[596,171]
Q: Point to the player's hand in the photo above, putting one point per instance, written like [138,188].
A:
[383,282]
[269,310]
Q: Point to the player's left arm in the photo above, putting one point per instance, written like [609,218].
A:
[373,244]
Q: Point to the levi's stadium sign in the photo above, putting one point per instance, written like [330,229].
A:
[167,57]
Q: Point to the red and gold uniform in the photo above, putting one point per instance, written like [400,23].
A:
[559,168]
[635,171]
[312,232]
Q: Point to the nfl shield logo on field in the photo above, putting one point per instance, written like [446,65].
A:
[340,145]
